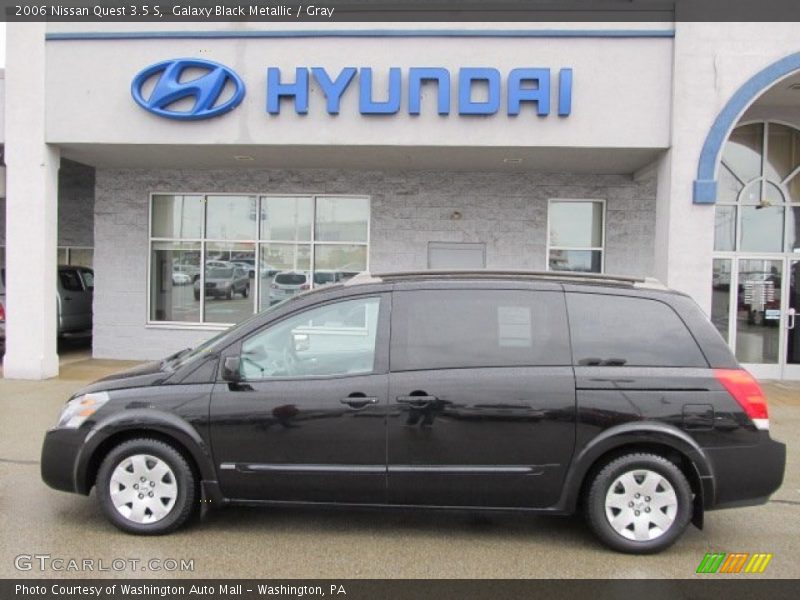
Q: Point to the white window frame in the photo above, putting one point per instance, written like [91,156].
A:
[256,242]
[601,248]
[68,251]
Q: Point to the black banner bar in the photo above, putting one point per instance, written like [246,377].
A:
[711,588]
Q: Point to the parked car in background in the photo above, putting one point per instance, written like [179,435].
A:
[326,277]
[287,284]
[537,393]
[75,295]
[179,278]
[213,264]
[224,282]
[247,266]
[191,270]
[75,292]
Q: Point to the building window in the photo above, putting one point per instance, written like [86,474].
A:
[759,181]
[218,258]
[576,235]
[76,256]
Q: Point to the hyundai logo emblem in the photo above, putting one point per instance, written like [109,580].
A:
[206,89]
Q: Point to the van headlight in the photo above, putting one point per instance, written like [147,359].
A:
[81,408]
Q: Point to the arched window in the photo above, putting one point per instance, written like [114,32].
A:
[759,181]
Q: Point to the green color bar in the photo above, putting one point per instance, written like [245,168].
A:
[711,562]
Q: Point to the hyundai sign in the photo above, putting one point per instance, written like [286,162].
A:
[217,89]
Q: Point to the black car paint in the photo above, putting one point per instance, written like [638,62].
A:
[406,453]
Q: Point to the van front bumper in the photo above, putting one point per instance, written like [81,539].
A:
[60,453]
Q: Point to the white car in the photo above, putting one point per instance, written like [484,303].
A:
[191,270]
[288,283]
[179,278]
[217,264]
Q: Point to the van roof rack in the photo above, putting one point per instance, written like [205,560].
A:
[639,282]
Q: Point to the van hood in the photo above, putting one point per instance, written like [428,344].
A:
[147,374]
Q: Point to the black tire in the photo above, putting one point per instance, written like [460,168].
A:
[187,487]
[246,291]
[595,502]
[229,295]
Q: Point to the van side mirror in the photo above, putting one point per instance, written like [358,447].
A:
[230,369]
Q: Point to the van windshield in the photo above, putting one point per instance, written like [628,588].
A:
[176,361]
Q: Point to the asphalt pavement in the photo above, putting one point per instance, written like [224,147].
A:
[36,521]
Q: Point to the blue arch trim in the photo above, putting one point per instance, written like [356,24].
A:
[705,186]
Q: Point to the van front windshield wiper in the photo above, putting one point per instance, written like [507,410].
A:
[174,357]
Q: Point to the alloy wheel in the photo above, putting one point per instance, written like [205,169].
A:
[143,488]
[641,505]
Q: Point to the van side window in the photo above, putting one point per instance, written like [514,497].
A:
[88,278]
[329,340]
[610,330]
[450,329]
[70,280]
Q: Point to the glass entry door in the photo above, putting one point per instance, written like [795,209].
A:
[791,369]
[755,301]
[759,315]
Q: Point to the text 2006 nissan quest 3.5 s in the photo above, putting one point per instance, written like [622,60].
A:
[541,393]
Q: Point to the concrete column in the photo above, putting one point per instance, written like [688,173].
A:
[684,234]
[31,211]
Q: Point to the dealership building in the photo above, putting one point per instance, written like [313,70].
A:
[259,158]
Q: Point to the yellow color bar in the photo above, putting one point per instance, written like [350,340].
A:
[758,563]
[767,558]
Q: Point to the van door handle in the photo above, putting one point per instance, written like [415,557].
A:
[354,401]
[417,401]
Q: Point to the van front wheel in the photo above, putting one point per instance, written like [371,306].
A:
[145,486]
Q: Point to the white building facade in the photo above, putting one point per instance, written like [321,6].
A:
[175,157]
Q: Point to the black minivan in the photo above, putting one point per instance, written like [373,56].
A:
[531,392]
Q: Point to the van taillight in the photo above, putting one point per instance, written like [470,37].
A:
[746,391]
[2,313]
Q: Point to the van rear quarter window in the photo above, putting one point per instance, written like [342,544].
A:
[609,330]
[450,329]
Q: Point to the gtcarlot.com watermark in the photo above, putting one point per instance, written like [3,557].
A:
[46,563]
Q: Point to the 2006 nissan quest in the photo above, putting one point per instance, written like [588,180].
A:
[541,393]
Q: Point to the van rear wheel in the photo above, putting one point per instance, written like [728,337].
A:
[639,503]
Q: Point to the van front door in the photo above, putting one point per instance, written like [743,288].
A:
[306,421]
